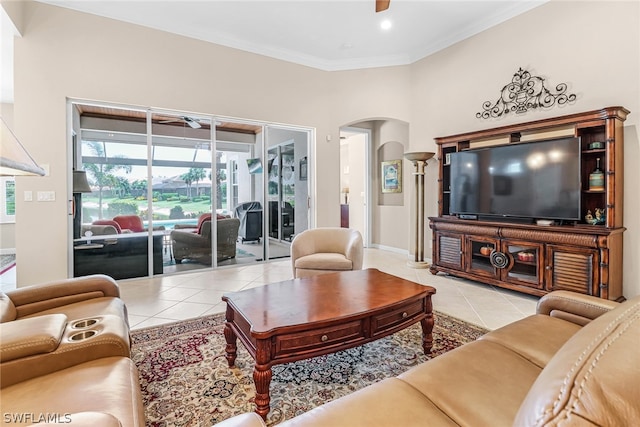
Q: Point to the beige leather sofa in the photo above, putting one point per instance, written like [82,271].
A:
[326,250]
[64,355]
[574,363]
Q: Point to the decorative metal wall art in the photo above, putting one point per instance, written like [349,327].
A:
[523,93]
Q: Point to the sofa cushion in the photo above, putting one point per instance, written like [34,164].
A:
[107,385]
[469,383]
[99,230]
[129,222]
[594,379]
[324,261]
[29,337]
[390,402]
[206,217]
[531,339]
[108,222]
[7,308]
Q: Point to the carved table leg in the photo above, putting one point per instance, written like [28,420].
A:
[427,328]
[262,380]
[231,348]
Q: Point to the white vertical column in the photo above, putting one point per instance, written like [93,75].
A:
[419,160]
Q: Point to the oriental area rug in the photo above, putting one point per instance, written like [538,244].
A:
[186,381]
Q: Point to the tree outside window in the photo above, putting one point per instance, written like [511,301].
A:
[8,200]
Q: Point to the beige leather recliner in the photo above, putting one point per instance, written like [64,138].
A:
[326,250]
[64,350]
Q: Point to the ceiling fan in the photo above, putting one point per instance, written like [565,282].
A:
[382,5]
[193,123]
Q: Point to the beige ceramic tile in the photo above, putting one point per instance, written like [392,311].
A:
[148,308]
[184,310]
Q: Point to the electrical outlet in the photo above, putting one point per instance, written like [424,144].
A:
[28,196]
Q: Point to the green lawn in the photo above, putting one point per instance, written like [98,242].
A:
[161,208]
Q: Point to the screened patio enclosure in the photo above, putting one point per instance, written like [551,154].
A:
[167,190]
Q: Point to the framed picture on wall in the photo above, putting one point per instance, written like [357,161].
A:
[392,176]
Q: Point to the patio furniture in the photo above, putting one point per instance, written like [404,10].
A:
[121,256]
[197,246]
[250,216]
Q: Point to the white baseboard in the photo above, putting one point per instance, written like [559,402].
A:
[389,248]
[395,250]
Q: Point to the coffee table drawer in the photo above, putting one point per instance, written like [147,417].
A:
[385,321]
[318,338]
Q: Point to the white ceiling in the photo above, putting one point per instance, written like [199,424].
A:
[329,35]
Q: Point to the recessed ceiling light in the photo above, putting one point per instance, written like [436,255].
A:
[385,25]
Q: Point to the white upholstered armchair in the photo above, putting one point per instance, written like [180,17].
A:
[326,250]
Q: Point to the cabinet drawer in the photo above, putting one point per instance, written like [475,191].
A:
[323,337]
[407,313]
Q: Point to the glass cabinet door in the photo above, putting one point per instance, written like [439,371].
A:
[479,252]
[526,266]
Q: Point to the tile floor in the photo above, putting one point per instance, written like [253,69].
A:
[176,297]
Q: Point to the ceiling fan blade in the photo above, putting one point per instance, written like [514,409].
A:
[382,5]
[192,123]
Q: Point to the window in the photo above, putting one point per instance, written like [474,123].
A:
[8,200]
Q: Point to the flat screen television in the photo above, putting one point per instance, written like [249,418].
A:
[535,180]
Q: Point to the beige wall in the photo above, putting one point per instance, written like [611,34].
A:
[67,54]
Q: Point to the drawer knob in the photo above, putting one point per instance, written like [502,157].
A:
[404,314]
[324,338]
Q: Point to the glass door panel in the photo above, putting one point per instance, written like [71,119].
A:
[240,183]
[181,182]
[480,251]
[111,236]
[287,190]
[526,263]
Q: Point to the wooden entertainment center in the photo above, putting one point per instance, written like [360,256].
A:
[531,258]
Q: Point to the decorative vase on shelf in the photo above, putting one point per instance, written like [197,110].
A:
[596,178]
[486,250]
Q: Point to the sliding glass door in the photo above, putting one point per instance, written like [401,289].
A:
[168,192]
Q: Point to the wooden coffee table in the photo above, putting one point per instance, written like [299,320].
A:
[303,318]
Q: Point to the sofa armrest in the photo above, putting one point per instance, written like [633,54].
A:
[46,296]
[574,307]
[355,250]
[32,336]
[248,419]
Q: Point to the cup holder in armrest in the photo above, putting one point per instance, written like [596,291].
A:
[82,335]
[84,323]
